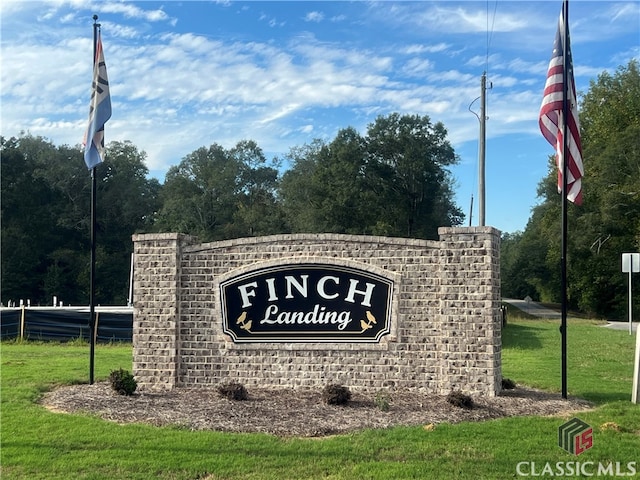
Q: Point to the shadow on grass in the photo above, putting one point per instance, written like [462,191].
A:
[522,336]
[600,398]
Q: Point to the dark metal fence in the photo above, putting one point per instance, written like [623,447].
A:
[113,324]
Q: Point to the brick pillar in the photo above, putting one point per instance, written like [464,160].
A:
[156,289]
[471,326]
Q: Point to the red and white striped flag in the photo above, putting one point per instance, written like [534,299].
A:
[551,114]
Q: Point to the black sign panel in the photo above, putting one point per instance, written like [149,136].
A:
[306,303]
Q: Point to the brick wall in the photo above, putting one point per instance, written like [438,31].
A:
[446,323]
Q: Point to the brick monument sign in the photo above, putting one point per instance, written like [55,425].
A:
[306,310]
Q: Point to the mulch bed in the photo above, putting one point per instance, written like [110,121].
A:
[299,413]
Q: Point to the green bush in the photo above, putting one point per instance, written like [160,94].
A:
[336,395]
[508,384]
[123,382]
[459,399]
[233,391]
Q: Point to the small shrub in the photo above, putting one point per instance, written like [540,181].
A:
[459,399]
[508,384]
[382,402]
[336,395]
[122,381]
[233,391]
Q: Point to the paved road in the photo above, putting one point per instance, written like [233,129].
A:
[534,308]
[622,326]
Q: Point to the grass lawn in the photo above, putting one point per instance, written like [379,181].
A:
[38,444]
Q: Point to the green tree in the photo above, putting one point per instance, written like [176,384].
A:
[198,194]
[514,283]
[26,216]
[43,249]
[217,194]
[393,182]
[126,203]
[46,194]
[408,158]
[299,194]
[608,222]
[327,190]
[257,211]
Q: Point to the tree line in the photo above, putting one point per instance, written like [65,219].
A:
[393,180]
[606,225]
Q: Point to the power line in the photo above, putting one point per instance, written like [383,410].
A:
[490,32]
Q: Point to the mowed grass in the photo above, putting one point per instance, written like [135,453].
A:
[38,444]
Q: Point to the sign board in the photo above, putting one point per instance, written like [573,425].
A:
[306,303]
[630,262]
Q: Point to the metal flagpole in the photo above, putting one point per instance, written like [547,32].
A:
[565,152]
[92,277]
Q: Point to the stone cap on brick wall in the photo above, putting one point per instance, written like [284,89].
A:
[462,230]
[191,242]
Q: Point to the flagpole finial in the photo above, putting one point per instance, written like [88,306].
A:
[95,18]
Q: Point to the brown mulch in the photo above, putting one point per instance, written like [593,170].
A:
[300,413]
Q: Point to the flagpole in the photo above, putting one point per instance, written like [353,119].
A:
[565,156]
[92,276]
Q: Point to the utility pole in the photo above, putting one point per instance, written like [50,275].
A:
[481,154]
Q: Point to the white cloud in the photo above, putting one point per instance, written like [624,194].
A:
[271,20]
[483,60]
[465,17]
[282,112]
[121,31]
[8,7]
[518,65]
[417,67]
[176,87]
[625,13]
[130,10]
[453,78]
[68,18]
[416,49]
[314,16]
[180,91]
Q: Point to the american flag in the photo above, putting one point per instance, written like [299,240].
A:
[551,114]
[99,110]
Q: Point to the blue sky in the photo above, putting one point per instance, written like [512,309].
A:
[186,74]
